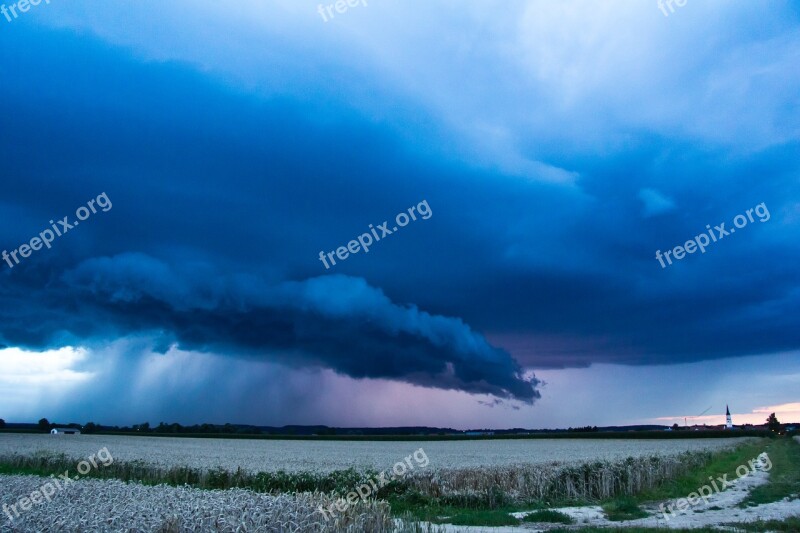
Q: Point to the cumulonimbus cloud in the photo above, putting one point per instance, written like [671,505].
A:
[335,321]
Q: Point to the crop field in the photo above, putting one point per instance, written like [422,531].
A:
[110,505]
[215,485]
[326,456]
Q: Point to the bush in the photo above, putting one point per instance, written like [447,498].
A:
[549,516]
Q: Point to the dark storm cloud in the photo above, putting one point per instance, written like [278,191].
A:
[333,321]
[202,174]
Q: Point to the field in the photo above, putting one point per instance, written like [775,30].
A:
[110,505]
[327,456]
[185,484]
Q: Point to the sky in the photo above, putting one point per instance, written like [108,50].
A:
[484,215]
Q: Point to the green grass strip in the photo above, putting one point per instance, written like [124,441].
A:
[548,516]
[784,476]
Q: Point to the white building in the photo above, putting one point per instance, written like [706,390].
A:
[65,431]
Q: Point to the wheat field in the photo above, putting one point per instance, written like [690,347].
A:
[157,498]
[255,455]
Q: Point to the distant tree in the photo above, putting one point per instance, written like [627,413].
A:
[585,429]
[773,424]
[44,424]
[90,427]
[145,426]
[2,423]
[675,427]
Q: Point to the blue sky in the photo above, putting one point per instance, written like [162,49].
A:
[559,145]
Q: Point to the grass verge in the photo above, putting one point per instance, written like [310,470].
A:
[721,463]
[428,510]
[633,530]
[784,480]
[791,524]
[549,516]
[623,508]
[784,475]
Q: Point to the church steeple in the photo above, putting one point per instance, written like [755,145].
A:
[728,421]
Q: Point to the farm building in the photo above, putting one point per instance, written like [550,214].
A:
[65,431]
